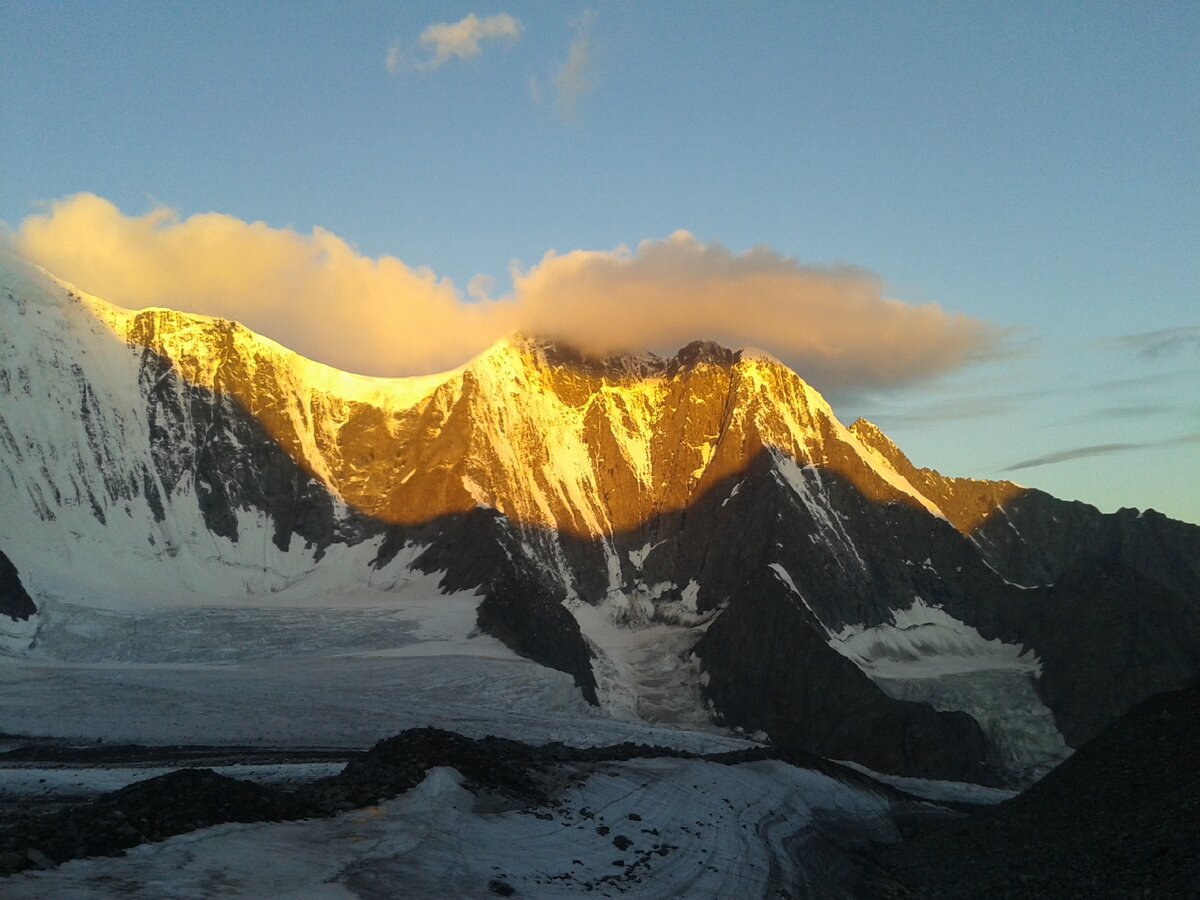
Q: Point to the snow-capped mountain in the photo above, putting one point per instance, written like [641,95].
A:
[692,539]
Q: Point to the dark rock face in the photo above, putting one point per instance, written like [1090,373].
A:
[15,602]
[1115,613]
[399,763]
[233,463]
[152,810]
[529,617]
[771,668]
[1038,537]
[766,654]
[1117,819]
[1108,636]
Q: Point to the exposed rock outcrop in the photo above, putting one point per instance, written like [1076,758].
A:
[15,601]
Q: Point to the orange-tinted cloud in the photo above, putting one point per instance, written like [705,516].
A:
[312,293]
[316,295]
[833,326]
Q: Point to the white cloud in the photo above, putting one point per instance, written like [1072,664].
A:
[577,76]
[315,294]
[392,61]
[463,40]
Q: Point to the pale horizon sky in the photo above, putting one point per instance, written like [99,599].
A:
[1029,168]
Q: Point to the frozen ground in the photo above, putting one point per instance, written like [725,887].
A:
[290,671]
[643,828]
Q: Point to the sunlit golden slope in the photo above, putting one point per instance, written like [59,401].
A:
[966,502]
[543,435]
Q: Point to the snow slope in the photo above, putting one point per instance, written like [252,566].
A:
[645,828]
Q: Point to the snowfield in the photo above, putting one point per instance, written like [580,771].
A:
[297,677]
[645,828]
[311,676]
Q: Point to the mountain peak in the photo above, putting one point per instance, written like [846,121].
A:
[543,351]
[698,352]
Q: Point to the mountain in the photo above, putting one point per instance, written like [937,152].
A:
[1118,819]
[694,540]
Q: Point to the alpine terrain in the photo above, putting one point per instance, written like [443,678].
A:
[206,539]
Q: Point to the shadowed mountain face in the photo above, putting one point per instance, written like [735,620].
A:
[15,602]
[1118,819]
[810,582]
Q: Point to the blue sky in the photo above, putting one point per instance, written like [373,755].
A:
[1030,166]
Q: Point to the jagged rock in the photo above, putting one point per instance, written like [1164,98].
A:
[520,610]
[1108,637]
[151,810]
[770,669]
[15,601]
[189,799]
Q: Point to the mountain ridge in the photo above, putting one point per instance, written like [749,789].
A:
[619,517]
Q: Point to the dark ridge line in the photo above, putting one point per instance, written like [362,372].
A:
[55,752]
[188,799]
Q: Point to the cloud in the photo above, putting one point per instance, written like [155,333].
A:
[948,411]
[312,293]
[1140,411]
[316,295]
[832,325]
[1165,342]
[391,62]
[1137,382]
[1101,450]
[577,76]
[444,41]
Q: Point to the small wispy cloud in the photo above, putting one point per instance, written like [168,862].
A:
[463,40]
[948,411]
[1101,450]
[1164,342]
[391,62]
[577,76]
[1138,382]
[1139,411]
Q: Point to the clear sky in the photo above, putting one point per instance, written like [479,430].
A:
[1033,169]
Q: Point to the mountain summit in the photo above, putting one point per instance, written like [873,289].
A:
[694,539]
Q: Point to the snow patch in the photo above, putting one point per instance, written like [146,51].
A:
[924,642]
[805,482]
